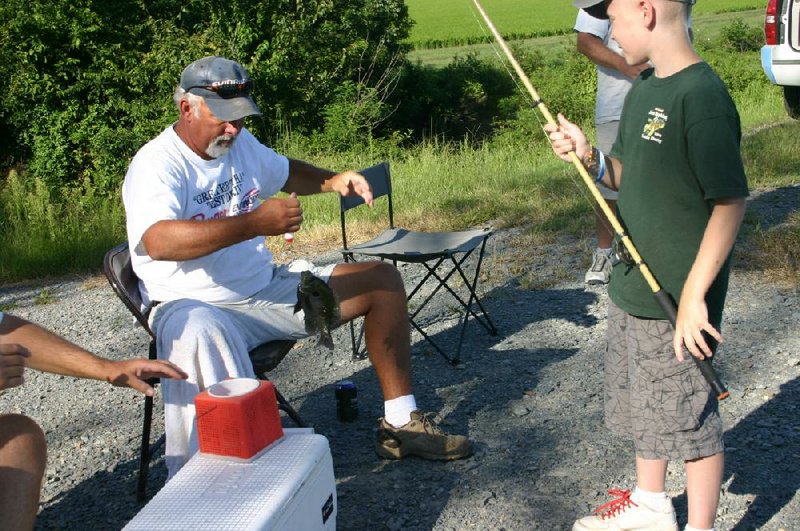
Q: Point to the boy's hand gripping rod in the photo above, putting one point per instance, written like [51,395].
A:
[662,297]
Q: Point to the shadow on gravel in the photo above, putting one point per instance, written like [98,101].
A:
[773,207]
[515,469]
[766,441]
[482,397]
[112,490]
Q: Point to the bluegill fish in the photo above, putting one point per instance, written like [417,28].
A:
[319,305]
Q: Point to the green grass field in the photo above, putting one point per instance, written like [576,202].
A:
[706,25]
[454,22]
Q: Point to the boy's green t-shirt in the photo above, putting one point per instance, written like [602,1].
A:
[678,142]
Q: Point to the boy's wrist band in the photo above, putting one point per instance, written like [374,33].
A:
[595,163]
[601,162]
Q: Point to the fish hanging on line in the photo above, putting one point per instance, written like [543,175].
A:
[319,305]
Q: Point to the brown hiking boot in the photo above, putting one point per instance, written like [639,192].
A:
[420,437]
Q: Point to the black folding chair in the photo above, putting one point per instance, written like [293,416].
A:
[430,249]
[265,357]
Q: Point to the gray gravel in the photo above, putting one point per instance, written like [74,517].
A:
[530,398]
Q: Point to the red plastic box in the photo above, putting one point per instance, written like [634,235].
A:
[237,418]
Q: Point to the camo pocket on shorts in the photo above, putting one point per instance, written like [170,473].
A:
[673,398]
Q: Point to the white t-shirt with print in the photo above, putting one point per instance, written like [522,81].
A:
[168,181]
[612,85]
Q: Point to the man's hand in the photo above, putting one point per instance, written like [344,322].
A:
[567,137]
[12,365]
[278,215]
[134,373]
[349,183]
[633,71]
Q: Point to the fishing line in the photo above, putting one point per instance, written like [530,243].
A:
[582,191]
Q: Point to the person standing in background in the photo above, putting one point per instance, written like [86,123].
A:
[614,78]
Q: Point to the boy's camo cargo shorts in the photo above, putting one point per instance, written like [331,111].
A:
[665,405]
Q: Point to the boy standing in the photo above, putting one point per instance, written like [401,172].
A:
[682,204]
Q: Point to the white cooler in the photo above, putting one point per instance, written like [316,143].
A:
[290,485]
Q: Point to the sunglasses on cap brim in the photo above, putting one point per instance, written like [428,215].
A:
[227,91]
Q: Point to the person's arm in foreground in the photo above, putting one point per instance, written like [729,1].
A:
[597,52]
[568,137]
[718,240]
[25,344]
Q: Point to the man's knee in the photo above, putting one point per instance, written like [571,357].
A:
[387,276]
[191,322]
[365,279]
[22,439]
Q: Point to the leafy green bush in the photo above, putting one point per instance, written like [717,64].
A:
[738,36]
[84,84]
[737,72]
[460,99]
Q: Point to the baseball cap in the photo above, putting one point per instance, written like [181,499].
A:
[596,8]
[224,84]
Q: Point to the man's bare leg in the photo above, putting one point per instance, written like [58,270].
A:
[375,290]
[602,227]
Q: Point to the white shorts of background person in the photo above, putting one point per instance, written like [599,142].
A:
[600,270]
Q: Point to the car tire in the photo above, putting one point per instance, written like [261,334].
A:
[791,100]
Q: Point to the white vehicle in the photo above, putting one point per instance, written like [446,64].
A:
[780,57]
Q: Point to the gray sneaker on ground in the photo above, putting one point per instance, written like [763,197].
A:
[421,437]
[600,271]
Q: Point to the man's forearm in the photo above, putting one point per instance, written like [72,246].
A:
[597,52]
[307,179]
[177,240]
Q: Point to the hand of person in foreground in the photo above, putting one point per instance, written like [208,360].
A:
[567,137]
[135,373]
[12,365]
[352,183]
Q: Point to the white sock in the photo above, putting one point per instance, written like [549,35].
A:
[397,411]
[690,528]
[658,501]
[606,251]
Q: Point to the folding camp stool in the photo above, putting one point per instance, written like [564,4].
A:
[429,249]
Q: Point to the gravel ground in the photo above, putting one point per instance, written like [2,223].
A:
[530,398]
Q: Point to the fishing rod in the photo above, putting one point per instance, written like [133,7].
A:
[663,298]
